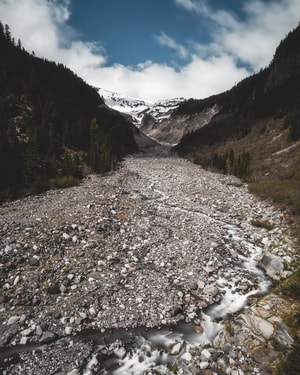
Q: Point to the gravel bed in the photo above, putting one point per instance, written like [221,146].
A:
[143,246]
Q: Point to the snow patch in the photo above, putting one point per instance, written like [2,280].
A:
[137,108]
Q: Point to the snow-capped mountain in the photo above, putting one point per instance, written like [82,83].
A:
[138,108]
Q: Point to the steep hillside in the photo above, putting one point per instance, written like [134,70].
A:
[52,124]
[172,128]
[256,133]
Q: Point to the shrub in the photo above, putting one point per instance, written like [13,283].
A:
[63,182]
[291,286]
[285,192]
[262,224]
[290,364]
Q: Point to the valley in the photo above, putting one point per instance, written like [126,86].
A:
[139,270]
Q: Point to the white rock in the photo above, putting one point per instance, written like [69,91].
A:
[211,290]
[38,331]
[92,311]
[176,348]
[17,279]
[24,340]
[201,284]
[273,265]
[26,332]
[187,357]
[206,353]
[83,315]
[13,319]
[68,330]
[66,236]
[259,325]
[62,288]
[203,365]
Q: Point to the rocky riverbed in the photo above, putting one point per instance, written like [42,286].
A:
[155,243]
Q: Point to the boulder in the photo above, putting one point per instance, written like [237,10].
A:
[258,325]
[273,265]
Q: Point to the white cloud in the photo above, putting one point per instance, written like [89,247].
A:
[164,40]
[202,8]
[42,26]
[254,38]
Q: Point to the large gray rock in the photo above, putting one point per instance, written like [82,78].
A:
[258,325]
[273,265]
[282,337]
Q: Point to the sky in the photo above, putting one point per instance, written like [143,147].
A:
[154,49]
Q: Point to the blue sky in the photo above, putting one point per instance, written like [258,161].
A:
[154,49]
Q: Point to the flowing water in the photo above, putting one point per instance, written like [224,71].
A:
[157,351]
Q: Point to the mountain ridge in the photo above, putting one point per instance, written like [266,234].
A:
[137,108]
[271,94]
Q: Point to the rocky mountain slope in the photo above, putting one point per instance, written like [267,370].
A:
[259,116]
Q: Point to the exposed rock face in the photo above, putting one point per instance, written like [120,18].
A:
[173,128]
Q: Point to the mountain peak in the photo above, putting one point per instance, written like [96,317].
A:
[138,108]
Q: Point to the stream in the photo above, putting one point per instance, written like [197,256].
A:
[156,351]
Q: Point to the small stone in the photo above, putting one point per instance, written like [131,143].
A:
[47,337]
[206,354]
[63,289]
[92,311]
[68,330]
[38,330]
[187,357]
[26,332]
[53,289]
[203,365]
[17,279]
[83,315]
[210,290]
[24,340]
[200,284]
[176,348]
[13,320]
[33,261]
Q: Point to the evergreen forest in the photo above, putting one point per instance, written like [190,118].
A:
[53,125]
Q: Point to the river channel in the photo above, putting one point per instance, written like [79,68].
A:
[135,272]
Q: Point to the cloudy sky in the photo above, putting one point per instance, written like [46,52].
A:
[154,49]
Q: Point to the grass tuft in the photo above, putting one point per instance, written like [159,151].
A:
[262,224]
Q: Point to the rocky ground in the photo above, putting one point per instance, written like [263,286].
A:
[154,243]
